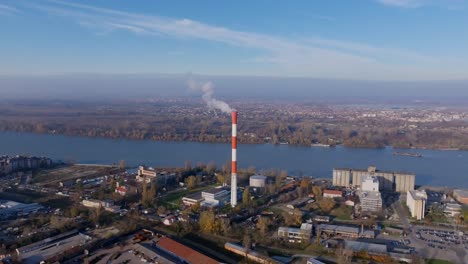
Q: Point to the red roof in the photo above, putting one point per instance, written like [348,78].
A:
[184,252]
[333,192]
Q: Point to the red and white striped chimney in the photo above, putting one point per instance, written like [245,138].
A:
[234,160]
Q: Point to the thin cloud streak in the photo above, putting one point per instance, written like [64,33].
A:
[403,3]
[5,9]
[311,58]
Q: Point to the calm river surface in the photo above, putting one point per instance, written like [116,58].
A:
[438,168]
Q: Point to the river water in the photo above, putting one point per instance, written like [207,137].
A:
[436,168]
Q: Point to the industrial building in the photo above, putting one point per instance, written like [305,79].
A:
[192,199]
[54,248]
[371,248]
[345,231]
[252,255]
[234,196]
[461,196]
[257,181]
[416,202]
[294,234]
[150,174]
[215,197]
[14,209]
[183,253]
[389,181]
[370,197]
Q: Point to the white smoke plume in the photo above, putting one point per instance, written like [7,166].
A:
[207,88]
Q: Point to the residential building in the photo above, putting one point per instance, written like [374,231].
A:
[294,234]
[416,202]
[122,190]
[332,194]
[18,163]
[389,181]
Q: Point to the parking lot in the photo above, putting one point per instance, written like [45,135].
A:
[442,239]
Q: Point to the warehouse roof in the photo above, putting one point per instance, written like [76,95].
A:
[184,252]
[357,246]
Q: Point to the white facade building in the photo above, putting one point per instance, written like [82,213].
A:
[370,184]
[416,202]
[370,198]
[215,197]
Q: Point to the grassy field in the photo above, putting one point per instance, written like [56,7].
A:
[438,261]
[73,172]
[173,199]
[342,213]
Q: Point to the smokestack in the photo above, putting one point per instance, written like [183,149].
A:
[234,160]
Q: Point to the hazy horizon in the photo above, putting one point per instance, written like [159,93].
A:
[140,86]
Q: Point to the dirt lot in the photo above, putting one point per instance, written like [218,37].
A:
[54,176]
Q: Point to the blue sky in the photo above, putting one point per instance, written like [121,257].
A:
[367,40]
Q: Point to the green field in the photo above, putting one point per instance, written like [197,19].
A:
[342,213]
[438,261]
[172,199]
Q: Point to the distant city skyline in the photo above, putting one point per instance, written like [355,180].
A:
[389,40]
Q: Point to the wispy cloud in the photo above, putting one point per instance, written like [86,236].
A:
[403,3]
[5,9]
[300,57]
[445,4]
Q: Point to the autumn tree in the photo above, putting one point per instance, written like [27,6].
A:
[317,191]
[326,204]
[221,178]
[263,225]
[246,197]
[304,187]
[247,242]
[207,221]
[191,182]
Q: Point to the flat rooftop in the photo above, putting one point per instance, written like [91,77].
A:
[460,192]
[337,228]
[216,190]
[418,195]
[194,196]
[376,171]
[180,250]
[357,246]
[49,247]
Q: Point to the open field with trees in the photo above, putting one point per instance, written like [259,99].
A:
[297,123]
